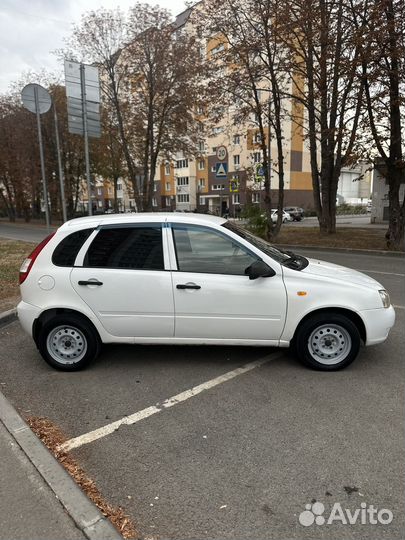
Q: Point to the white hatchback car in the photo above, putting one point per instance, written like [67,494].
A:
[286,216]
[191,279]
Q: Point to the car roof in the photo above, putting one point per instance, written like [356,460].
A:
[141,217]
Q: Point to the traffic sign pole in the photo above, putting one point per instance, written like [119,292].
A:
[86,137]
[61,177]
[41,155]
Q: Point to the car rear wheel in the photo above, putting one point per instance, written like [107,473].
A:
[68,343]
[327,341]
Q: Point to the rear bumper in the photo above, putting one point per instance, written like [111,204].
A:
[27,313]
[378,323]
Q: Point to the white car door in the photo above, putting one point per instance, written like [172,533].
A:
[124,281]
[214,299]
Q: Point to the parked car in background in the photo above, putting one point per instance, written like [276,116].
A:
[175,278]
[296,213]
[286,216]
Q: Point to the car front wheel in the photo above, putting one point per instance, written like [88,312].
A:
[327,341]
[68,343]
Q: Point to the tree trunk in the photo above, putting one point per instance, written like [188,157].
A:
[395,233]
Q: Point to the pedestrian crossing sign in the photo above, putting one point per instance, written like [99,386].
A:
[221,170]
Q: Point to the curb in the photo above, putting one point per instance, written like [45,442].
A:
[83,512]
[8,316]
[344,250]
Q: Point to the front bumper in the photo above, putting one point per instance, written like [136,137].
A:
[27,313]
[378,323]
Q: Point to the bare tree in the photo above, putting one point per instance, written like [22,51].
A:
[254,79]
[324,61]
[149,74]
[383,76]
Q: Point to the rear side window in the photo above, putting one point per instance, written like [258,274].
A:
[133,248]
[66,251]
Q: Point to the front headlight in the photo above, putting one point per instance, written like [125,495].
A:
[385,297]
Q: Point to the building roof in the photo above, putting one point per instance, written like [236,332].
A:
[182,17]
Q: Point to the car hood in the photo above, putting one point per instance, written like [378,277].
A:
[340,273]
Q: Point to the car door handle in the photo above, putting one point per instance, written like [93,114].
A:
[188,286]
[91,282]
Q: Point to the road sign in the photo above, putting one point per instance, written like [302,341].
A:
[83,95]
[222,153]
[83,101]
[28,98]
[234,185]
[259,172]
[221,170]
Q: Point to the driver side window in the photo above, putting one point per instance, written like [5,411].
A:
[206,251]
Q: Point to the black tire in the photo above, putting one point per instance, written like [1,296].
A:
[340,345]
[78,330]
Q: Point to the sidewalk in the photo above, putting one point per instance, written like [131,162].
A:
[28,508]
[38,498]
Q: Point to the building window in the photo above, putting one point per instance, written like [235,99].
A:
[168,186]
[99,191]
[154,201]
[167,169]
[255,197]
[182,181]
[201,146]
[155,186]
[218,187]
[201,182]
[214,149]
[257,157]
[183,198]
[119,187]
[236,160]
[201,165]
[236,139]
[213,169]
[236,198]
[218,49]
[168,201]
[181,163]
[257,139]
[217,130]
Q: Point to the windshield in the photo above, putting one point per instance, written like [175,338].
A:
[286,258]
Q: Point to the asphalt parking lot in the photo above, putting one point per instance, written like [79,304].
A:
[237,454]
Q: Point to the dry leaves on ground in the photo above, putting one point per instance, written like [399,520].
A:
[52,437]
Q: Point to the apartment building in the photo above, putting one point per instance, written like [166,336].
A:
[226,172]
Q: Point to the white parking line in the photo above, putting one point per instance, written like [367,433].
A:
[103,431]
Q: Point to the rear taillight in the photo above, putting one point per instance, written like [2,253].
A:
[29,261]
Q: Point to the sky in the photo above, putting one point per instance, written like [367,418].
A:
[31,29]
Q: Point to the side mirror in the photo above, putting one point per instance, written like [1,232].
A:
[259,269]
